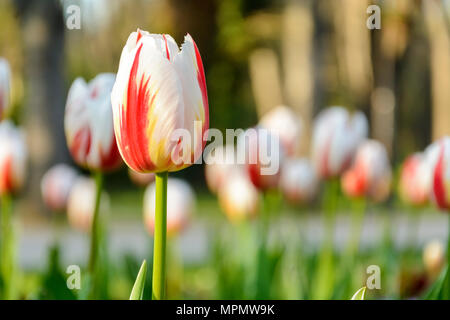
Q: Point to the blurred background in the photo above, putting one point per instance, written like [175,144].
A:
[257,54]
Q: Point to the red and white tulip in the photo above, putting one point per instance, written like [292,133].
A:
[179,209]
[5,91]
[415,180]
[159,95]
[299,182]
[336,136]
[13,158]
[438,157]
[283,121]
[56,185]
[263,155]
[370,175]
[89,124]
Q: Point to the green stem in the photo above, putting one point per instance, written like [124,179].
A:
[447,293]
[359,208]
[159,240]
[95,232]
[7,254]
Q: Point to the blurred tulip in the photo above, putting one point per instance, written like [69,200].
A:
[433,257]
[141,179]
[56,185]
[13,158]
[438,158]
[160,94]
[299,181]
[370,174]
[283,121]
[81,204]
[238,197]
[263,157]
[89,124]
[336,136]
[179,208]
[415,180]
[5,75]
[219,166]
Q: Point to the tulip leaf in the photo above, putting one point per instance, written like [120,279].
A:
[435,291]
[360,294]
[138,288]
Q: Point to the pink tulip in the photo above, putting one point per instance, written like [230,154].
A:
[238,197]
[370,174]
[141,179]
[13,158]
[283,121]
[415,180]
[179,208]
[160,103]
[81,204]
[336,136]
[299,181]
[5,79]
[56,185]
[438,158]
[89,124]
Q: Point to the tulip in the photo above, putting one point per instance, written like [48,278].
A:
[433,257]
[13,157]
[263,156]
[438,158]
[415,180]
[336,136]
[82,203]
[56,185]
[283,121]
[220,162]
[141,179]
[238,197]
[370,174]
[299,181]
[179,209]
[5,75]
[160,111]
[89,124]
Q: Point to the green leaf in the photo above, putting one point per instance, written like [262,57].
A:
[360,294]
[138,288]
[435,291]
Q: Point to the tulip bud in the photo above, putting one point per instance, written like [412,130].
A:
[263,155]
[5,75]
[220,162]
[160,103]
[283,121]
[56,185]
[433,257]
[415,180]
[299,181]
[179,208]
[438,158]
[141,179]
[336,136]
[238,197]
[370,174]
[89,124]
[13,158]
[81,204]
